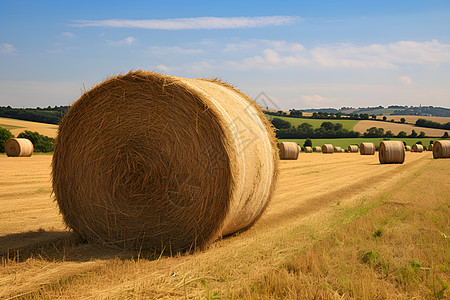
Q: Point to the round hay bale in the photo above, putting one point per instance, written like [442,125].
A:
[430,147]
[289,151]
[327,148]
[308,149]
[353,148]
[367,149]
[391,152]
[337,149]
[417,148]
[441,149]
[148,161]
[19,147]
[317,149]
[407,148]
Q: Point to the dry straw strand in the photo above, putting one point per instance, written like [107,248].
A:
[391,152]
[441,149]
[19,147]
[327,148]
[149,161]
[289,151]
[367,149]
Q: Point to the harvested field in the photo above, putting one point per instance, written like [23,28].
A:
[337,226]
[362,126]
[17,126]
[413,119]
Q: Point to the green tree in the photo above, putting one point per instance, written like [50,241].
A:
[307,143]
[403,120]
[384,118]
[401,134]
[388,134]
[5,135]
[421,134]
[280,124]
[41,143]
[413,134]
[445,136]
[296,113]
[374,117]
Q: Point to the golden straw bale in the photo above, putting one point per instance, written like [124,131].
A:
[417,148]
[430,147]
[353,148]
[391,152]
[148,161]
[308,149]
[441,149]
[289,151]
[408,148]
[367,149]
[317,149]
[327,148]
[19,147]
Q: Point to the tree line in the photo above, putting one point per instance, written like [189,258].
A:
[50,115]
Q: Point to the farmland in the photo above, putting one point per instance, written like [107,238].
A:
[344,143]
[339,225]
[17,126]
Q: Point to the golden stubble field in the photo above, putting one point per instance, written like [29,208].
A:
[338,226]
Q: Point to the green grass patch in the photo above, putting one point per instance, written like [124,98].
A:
[344,143]
[346,124]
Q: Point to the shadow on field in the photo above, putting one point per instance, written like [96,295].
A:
[59,246]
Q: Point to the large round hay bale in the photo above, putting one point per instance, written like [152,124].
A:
[367,149]
[337,149]
[327,148]
[289,151]
[430,147]
[148,161]
[391,152]
[308,149]
[441,149]
[317,149]
[417,148]
[19,147]
[407,148]
[353,148]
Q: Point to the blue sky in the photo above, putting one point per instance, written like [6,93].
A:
[303,54]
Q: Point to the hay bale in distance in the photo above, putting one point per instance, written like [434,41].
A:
[353,148]
[148,161]
[367,149]
[430,147]
[417,148]
[317,149]
[407,148]
[441,149]
[327,148]
[308,149]
[19,147]
[391,152]
[289,151]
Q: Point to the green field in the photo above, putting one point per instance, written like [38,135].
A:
[344,143]
[346,124]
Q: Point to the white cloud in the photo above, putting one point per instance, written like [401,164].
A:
[281,54]
[162,68]
[68,34]
[7,48]
[316,101]
[126,41]
[406,80]
[192,23]
[173,50]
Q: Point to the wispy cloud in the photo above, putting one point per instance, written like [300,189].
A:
[192,23]
[7,48]
[281,54]
[126,41]
[67,34]
[161,50]
[406,80]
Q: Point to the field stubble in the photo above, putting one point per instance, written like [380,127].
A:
[339,226]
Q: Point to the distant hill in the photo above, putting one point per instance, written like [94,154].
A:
[386,111]
[49,115]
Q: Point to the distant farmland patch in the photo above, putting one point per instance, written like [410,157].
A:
[346,124]
[363,125]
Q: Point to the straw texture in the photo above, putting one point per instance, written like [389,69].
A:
[417,148]
[148,161]
[391,152]
[19,147]
[441,149]
[289,151]
[338,149]
[353,148]
[327,148]
[308,149]
[317,149]
[367,149]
